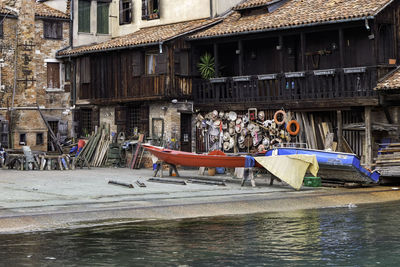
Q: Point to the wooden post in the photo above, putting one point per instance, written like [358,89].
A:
[281,52]
[341,47]
[216,59]
[368,137]
[303,50]
[240,48]
[339,129]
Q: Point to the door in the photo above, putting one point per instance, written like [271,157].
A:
[186,132]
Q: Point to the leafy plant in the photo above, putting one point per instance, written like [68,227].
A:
[206,66]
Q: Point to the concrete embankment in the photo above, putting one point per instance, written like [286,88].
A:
[46,200]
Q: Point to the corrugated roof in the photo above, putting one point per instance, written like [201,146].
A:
[144,36]
[295,13]
[390,82]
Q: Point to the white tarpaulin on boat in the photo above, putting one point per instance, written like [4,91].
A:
[290,168]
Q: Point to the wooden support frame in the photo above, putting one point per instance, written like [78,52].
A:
[339,129]
[215,47]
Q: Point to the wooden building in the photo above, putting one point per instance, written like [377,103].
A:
[135,78]
[318,57]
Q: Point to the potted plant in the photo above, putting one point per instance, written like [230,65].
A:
[206,66]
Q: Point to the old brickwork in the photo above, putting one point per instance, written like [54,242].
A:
[32,55]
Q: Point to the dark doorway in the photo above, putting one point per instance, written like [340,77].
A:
[186,132]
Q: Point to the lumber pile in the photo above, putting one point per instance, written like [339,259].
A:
[318,134]
[388,160]
[94,153]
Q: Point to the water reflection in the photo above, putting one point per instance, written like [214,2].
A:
[360,236]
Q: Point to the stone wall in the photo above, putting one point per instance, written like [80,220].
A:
[33,53]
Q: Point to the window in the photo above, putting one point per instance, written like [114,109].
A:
[84,16]
[125,12]
[102,17]
[86,122]
[39,139]
[53,75]
[150,9]
[22,139]
[156,63]
[151,63]
[52,29]
[67,72]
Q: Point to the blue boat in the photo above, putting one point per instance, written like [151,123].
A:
[338,166]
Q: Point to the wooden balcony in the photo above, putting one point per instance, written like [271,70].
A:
[289,88]
[137,89]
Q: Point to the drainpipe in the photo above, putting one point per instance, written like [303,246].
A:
[71,24]
[211,9]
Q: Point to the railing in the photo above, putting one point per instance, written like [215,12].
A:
[319,84]
[137,88]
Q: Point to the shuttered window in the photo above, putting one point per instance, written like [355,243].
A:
[52,29]
[53,75]
[125,12]
[102,17]
[84,16]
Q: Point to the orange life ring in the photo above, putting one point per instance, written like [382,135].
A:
[289,128]
[277,121]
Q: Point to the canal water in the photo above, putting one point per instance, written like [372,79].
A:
[364,235]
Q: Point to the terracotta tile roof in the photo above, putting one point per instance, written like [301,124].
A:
[254,3]
[144,36]
[4,11]
[296,13]
[44,10]
[390,82]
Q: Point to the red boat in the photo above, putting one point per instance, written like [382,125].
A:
[214,159]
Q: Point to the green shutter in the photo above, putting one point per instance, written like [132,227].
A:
[102,17]
[84,16]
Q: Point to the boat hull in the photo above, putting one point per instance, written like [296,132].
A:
[334,165]
[195,160]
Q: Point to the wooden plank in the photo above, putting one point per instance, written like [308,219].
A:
[346,146]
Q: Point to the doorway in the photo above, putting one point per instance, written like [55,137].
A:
[186,132]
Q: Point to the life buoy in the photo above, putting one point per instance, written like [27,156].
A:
[289,128]
[276,115]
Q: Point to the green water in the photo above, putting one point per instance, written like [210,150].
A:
[366,235]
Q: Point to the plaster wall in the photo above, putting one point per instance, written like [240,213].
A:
[170,12]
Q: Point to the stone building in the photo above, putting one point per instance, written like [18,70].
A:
[31,32]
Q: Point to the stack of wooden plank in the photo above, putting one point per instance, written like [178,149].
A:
[388,160]
[94,153]
[318,134]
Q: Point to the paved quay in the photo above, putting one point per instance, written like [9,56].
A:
[47,200]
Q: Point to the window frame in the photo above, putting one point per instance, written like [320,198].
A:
[153,56]
[86,15]
[58,31]
[149,10]
[125,16]
[61,75]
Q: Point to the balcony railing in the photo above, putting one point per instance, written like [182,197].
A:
[309,85]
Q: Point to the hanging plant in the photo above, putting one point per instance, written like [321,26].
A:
[206,66]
